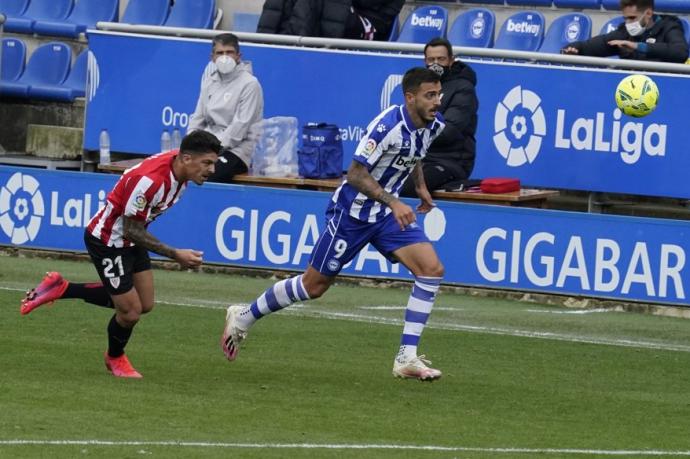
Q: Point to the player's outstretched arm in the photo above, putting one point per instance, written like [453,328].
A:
[136,232]
[427,202]
[359,177]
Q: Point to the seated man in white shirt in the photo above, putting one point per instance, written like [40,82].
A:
[230,106]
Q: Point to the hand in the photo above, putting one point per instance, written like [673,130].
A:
[403,213]
[426,203]
[570,50]
[624,44]
[188,258]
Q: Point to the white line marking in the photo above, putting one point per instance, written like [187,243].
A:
[299,309]
[603,452]
[402,308]
[579,311]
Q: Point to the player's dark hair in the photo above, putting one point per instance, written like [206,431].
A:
[414,78]
[200,142]
[640,4]
[226,39]
[440,41]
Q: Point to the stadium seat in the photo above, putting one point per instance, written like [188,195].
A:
[686,28]
[523,31]
[48,65]
[474,28]
[395,29]
[50,10]
[593,4]
[672,6]
[539,3]
[423,24]
[13,7]
[195,14]
[74,86]
[566,29]
[611,4]
[611,25]
[147,12]
[245,22]
[86,14]
[13,60]
[486,2]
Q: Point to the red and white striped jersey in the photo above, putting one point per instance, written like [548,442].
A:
[143,193]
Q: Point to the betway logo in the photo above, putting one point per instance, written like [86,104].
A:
[522,27]
[426,21]
[405,163]
[630,139]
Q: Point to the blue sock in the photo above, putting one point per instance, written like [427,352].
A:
[281,295]
[417,313]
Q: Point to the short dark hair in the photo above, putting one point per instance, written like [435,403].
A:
[414,78]
[440,41]
[640,4]
[199,142]
[226,39]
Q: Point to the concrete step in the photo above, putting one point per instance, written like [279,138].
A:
[55,142]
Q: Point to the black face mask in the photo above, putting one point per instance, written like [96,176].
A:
[438,68]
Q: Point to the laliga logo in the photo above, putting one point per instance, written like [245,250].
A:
[21,208]
[93,76]
[518,114]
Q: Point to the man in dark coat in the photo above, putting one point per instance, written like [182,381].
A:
[643,36]
[451,156]
[368,20]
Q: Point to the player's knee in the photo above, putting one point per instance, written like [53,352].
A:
[129,318]
[316,290]
[146,308]
[436,270]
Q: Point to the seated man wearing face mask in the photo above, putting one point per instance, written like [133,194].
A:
[450,158]
[230,106]
[643,36]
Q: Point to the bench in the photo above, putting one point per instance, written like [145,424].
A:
[526,197]
[39,161]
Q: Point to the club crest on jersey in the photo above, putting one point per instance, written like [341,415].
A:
[333,264]
[140,202]
[405,162]
[115,282]
[370,147]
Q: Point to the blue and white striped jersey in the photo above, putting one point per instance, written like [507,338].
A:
[390,150]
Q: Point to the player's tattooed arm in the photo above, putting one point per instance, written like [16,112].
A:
[418,176]
[136,232]
[359,177]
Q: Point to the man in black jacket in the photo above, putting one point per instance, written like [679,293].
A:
[450,157]
[367,20]
[643,36]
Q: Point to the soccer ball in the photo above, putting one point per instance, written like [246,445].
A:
[637,95]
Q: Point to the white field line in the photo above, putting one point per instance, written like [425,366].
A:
[576,312]
[300,309]
[344,446]
[402,308]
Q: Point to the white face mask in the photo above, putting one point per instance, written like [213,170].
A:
[225,64]
[635,28]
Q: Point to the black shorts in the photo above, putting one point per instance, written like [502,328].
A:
[116,266]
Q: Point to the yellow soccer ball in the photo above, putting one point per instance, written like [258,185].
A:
[637,95]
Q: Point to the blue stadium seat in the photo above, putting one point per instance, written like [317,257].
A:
[74,86]
[611,4]
[474,28]
[13,60]
[13,7]
[566,29]
[523,31]
[611,25]
[423,24]
[86,13]
[51,10]
[147,12]
[490,2]
[686,28]
[48,65]
[195,14]
[395,29]
[672,6]
[245,22]
[539,3]
[593,4]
